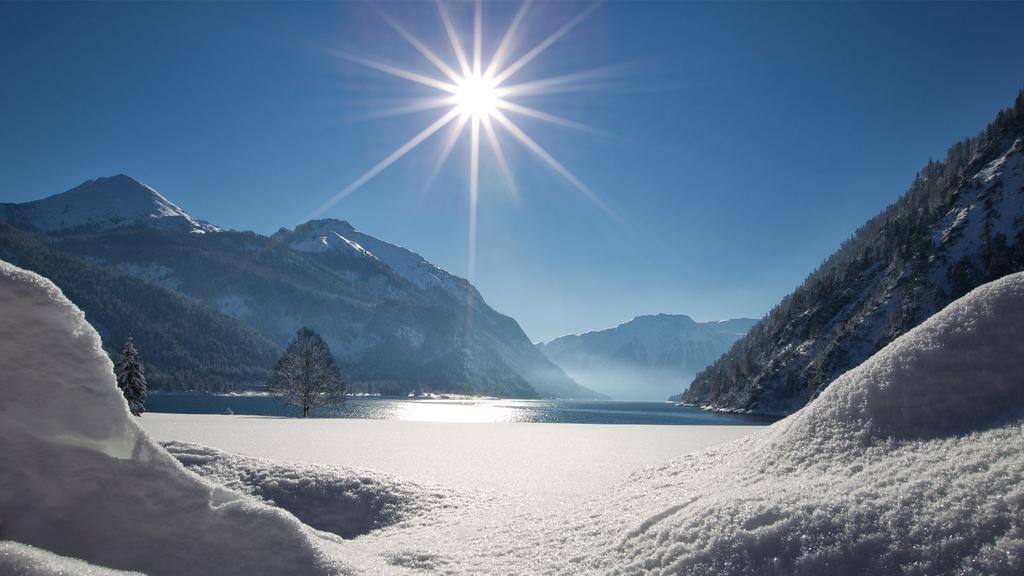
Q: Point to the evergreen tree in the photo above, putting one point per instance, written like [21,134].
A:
[131,378]
[306,374]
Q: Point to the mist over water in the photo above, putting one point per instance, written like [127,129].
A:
[460,410]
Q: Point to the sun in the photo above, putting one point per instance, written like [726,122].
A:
[476,96]
[479,98]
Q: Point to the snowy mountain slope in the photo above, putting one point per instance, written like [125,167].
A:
[102,204]
[647,358]
[338,235]
[961,224]
[395,322]
[80,479]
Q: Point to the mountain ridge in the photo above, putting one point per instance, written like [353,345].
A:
[396,322]
[103,203]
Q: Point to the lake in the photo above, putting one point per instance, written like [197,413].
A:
[458,410]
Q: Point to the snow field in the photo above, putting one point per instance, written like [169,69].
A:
[911,463]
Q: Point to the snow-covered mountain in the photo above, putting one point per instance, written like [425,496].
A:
[960,225]
[397,323]
[339,237]
[647,358]
[103,204]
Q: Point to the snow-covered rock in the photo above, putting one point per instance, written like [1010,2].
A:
[103,204]
[647,358]
[79,478]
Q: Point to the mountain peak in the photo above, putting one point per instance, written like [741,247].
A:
[103,203]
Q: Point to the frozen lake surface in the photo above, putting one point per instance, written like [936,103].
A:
[550,463]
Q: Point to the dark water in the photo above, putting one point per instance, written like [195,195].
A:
[461,410]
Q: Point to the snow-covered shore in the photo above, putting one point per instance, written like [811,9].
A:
[912,463]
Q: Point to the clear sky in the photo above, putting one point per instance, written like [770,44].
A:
[738,144]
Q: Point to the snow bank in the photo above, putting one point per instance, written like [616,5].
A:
[339,499]
[79,478]
[911,463]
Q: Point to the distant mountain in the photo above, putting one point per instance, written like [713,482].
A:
[396,322]
[647,358]
[960,225]
[102,204]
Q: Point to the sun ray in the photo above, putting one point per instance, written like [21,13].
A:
[418,106]
[400,72]
[499,155]
[453,37]
[419,46]
[446,149]
[553,84]
[551,118]
[474,190]
[547,42]
[550,161]
[501,51]
[478,37]
[391,159]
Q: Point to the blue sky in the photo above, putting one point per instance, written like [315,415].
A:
[740,143]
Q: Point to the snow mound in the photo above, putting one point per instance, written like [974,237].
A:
[346,501]
[79,478]
[911,463]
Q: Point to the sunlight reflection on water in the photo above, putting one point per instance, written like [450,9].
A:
[448,411]
[461,410]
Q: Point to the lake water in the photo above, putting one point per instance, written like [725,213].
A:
[459,410]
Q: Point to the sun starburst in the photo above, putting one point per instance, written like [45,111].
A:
[480,97]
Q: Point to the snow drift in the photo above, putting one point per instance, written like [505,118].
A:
[79,478]
[911,463]
[338,499]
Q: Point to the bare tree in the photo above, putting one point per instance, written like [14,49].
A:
[306,375]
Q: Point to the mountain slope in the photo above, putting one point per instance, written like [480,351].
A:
[102,204]
[647,358]
[184,343]
[395,322]
[960,225]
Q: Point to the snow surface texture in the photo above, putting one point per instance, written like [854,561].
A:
[338,499]
[79,478]
[24,560]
